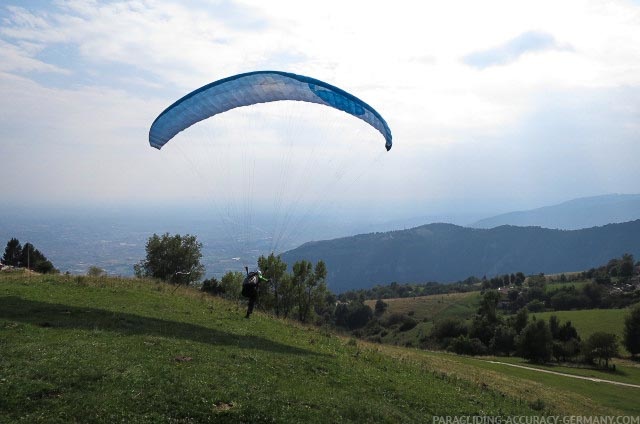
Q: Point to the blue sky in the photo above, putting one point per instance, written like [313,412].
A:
[493,105]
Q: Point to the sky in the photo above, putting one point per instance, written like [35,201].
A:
[494,106]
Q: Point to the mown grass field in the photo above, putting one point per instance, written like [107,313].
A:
[75,349]
[435,307]
[589,321]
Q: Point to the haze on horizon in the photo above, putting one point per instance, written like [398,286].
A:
[494,106]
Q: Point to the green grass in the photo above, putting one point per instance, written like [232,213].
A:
[602,396]
[626,371]
[589,321]
[573,396]
[436,307]
[427,310]
[75,349]
[579,285]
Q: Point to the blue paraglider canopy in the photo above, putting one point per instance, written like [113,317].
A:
[258,87]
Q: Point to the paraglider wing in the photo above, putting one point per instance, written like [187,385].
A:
[258,87]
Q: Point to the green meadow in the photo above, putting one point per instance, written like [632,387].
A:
[435,307]
[589,321]
[76,349]
[79,349]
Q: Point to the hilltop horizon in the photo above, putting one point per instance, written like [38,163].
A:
[114,239]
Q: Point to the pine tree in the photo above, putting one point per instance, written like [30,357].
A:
[632,331]
[12,253]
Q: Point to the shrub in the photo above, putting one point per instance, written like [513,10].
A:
[463,345]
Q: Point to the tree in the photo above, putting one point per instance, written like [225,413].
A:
[34,260]
[302,271]
[274,269]
[567,332]
[482,328]
[535,342]
[448,328]
[626,265]
[310,287]
[594,292]
[489,304]
[535,306]
[175,259]
[28,256]
[12,253]
[95,271]
[380,307]
[464,345]
[521,320]
[566,343]
[353,315]
[563,351]
[632,331]
[287,295]
[212,286]
[231,284]
[602,346]
[554,326]
[503,340]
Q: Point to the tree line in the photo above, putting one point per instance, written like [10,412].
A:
[27,256]
[490,332]
[614,285]
[302,294]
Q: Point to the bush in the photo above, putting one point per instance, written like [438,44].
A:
[408,324]
[175,259]
[463,345]
[600,346]
[535,306]
[448,328]
[567,350]
[394,319]
[95,271]
[503,341]
[212,286]
[535,342]
[353,315]
[380,307]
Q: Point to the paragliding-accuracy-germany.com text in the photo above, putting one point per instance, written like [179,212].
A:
[529,419]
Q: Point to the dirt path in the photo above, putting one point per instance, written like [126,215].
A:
[580,377]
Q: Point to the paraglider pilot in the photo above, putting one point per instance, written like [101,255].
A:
[250,288]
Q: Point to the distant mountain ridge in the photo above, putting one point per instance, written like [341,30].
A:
[572,215]
[447,252]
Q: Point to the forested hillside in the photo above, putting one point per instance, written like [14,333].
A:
[445,252]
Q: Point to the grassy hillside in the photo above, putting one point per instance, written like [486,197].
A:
[435,307]
[105,350]
[427,310]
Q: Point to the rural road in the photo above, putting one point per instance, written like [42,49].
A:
[597,380]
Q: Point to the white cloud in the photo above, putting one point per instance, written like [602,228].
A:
[20,59]
[96,74]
